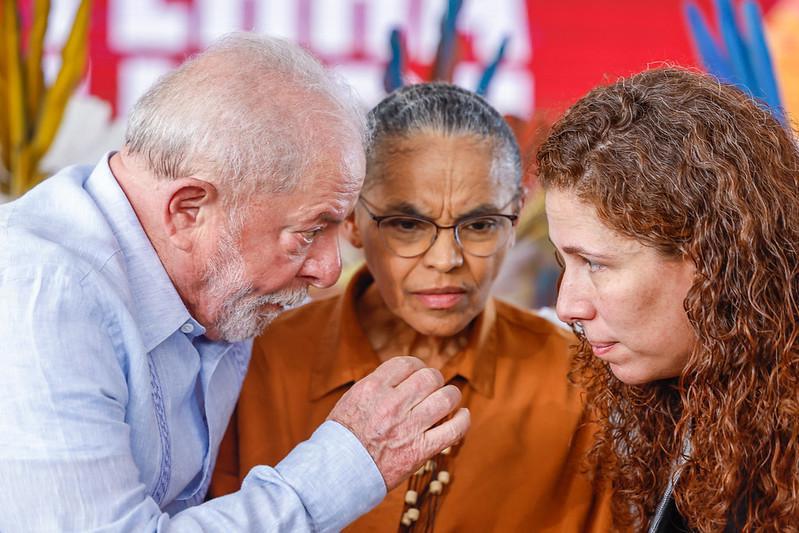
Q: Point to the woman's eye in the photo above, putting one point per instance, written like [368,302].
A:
[593,267]
[483,225]
[404,224]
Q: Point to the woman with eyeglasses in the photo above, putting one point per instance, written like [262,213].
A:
[435,220]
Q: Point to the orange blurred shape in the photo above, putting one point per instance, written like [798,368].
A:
[782,31]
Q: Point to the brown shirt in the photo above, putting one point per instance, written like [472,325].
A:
[519,468]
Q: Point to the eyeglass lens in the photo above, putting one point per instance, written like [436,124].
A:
[410,237]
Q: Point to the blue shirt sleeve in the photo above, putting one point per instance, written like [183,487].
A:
[65,453]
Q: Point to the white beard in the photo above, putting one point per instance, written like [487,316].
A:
[241,314]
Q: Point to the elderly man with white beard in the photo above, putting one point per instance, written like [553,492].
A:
[129,293]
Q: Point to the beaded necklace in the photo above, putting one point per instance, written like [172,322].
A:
[428,485]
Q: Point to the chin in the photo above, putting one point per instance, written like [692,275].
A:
[438,328]
[633,376]
[633,382]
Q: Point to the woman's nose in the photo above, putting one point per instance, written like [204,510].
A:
[574,300]
[445,253]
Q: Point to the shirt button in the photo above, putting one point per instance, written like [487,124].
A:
[188,327]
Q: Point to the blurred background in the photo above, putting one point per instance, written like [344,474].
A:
[71,69]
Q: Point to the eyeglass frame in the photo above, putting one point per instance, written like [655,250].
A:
[378,219]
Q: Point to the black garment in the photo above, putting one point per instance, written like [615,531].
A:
[670,521]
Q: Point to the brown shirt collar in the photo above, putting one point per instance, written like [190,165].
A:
[352,357]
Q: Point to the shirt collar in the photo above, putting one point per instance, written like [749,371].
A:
[158,309]
[354,358]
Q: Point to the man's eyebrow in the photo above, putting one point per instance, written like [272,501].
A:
[325,217]
[329,218]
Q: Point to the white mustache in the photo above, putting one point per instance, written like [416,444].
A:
[242,315]
[286,299]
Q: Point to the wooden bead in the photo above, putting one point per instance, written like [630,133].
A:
[411,497]
[429,465]
[443,477]
[436,487]
[446,450]
[405,520]
[413,514]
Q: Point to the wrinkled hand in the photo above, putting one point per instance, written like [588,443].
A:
[391,411]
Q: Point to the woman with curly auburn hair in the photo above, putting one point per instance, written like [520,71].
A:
[673,202]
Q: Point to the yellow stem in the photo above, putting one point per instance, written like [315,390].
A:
[74,56]
[5,146]
[33,60]
[18,127]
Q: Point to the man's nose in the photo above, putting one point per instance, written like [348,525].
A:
[322,265]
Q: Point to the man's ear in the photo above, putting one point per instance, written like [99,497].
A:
[191,204]
[350,230]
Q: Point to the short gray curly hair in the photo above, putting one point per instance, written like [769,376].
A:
[446,109]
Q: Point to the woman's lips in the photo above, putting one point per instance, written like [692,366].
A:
[445,298]
[602,348]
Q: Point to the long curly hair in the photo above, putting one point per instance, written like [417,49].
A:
[693,168]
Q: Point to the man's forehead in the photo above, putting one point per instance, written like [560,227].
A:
[339,165]
[325,206]
[331,179]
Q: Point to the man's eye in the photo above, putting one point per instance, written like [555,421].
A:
[309,236]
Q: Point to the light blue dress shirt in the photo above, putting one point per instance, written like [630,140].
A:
[113,402]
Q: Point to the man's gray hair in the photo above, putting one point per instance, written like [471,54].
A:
[446,109]
[244,113]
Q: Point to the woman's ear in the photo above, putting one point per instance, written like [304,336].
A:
[351,231]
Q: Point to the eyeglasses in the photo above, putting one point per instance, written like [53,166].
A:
[409,236]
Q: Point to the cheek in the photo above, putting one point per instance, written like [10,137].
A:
[650,313]
[629,309]
[390,274]
[482,271]
[667,295]
[272,268]
[677,330]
